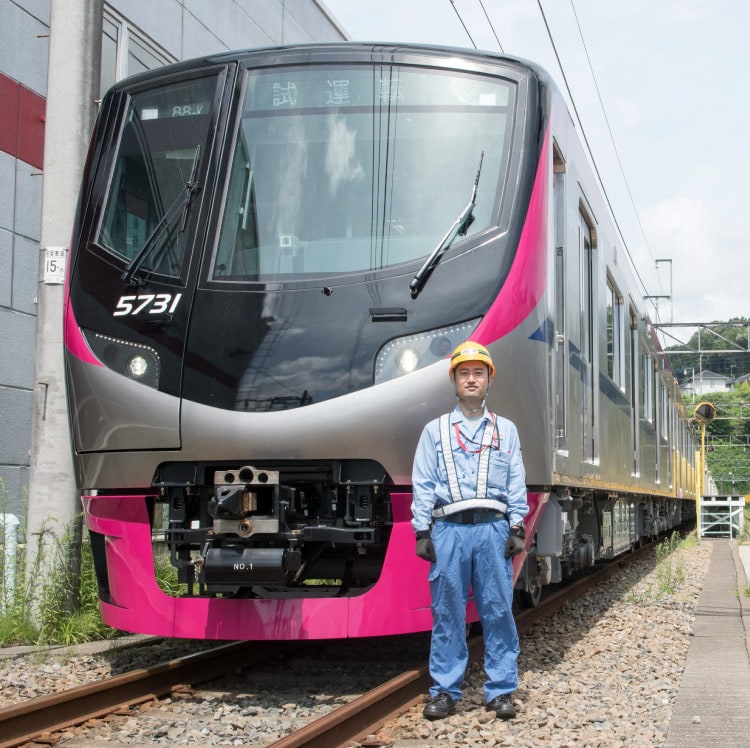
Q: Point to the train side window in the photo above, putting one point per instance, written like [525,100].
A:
[587,242]
[163,146]
[635,391]
[647,387]
[615,335]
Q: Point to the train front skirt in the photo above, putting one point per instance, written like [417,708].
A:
[131,599]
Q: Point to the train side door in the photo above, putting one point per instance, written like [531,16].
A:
[635,397]
[588,340]
[560,349]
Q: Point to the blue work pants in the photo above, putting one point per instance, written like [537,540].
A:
[472,555]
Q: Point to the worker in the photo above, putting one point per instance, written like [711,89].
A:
[468,509]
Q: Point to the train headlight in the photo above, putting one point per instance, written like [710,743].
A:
[408,361]
[405,355]
[135,361]
[137,366]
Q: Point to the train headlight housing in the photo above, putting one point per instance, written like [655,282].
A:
[135,361]
[405,355]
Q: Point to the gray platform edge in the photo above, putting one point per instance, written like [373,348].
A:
[713,704]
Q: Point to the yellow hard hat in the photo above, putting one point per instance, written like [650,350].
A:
[471,351]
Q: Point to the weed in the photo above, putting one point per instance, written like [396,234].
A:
[670,566]
[51,600]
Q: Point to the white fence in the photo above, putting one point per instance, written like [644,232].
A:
[9,547]
[722,516]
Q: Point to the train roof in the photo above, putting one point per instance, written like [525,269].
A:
[339,51]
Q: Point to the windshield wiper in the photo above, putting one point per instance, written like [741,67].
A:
[459,228]
[181,202]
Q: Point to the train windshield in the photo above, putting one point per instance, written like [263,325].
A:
[163,145]
[350,169]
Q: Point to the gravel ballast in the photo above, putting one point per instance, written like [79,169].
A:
[604,671]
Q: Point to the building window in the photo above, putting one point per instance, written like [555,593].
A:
[126,50]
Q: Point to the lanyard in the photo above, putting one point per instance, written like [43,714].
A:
[483,445]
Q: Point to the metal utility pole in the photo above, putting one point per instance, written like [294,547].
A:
[704,413]
[72,90]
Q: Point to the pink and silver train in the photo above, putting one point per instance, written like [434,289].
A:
[274,253]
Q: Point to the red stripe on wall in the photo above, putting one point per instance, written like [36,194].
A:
[21,122]
[9,92]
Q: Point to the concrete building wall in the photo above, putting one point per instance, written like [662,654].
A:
[183,29]
[191,28]
[23,85]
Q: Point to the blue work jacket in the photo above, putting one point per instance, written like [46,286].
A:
[506,480]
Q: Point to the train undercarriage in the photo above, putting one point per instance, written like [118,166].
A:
[319,529]
[322,528]
[579,529]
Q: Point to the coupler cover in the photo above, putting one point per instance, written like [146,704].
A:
[233,566]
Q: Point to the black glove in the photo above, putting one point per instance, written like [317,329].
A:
[425,546]
[516,542]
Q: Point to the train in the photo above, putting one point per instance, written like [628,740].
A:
[274,253]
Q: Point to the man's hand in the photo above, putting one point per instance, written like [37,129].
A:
[516,542]
[425,546]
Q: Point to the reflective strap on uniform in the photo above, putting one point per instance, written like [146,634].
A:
[493,505]
[450,465]
[483,469]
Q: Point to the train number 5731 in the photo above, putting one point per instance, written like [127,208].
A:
[147,303]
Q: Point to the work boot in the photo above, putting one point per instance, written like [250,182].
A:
[503,706]
[439,706]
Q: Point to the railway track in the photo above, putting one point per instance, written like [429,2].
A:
[364,716]
[39,718]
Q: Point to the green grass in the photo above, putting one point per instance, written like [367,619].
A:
[43,602]
[50,604]
[47,604]
[670,568]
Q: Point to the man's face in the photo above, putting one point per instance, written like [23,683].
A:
[472,381]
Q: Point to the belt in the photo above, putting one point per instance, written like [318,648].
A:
[472,517]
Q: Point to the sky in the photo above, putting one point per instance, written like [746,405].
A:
[661,90]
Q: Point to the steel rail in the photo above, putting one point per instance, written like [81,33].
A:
[368,713]
[22,723]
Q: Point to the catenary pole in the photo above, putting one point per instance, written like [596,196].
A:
[72,89]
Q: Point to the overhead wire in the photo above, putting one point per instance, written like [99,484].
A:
[491,26]
[585,137]
[462,23]
[489,23]
[588,144]
[611,134]
[580,123]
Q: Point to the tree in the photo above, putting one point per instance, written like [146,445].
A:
[730,340]
[728,440]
